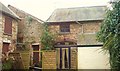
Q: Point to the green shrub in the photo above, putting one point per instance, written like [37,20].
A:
[109,34]
[47,39]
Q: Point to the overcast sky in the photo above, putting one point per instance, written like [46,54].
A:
[44,8]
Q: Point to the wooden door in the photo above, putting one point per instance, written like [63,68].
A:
[36,54]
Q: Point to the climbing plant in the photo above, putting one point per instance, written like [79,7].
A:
[47,39]
[109,34]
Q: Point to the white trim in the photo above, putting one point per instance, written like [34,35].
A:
[7,41]
[35,43]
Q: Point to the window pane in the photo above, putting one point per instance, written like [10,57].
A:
[64,27]
[35,47]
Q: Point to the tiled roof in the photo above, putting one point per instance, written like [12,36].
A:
[78,14]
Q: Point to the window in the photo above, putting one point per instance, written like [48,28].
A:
[8,25]
[65,27]
[5,47]
[35,47]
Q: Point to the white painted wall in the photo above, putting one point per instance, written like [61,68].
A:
[92,58]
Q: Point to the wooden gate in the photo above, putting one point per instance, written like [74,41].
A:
[64,55]
[63,58]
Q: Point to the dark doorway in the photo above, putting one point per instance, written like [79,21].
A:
[65,58]
[36,54]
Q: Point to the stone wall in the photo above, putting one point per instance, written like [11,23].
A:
[12,39]
[76,29]
[32,31]
[5,38]
[29,28]
[29,32]
[91,27]
[1,33]
[14,33]
[78,32]
[88,36]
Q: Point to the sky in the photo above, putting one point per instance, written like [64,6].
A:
[42,9]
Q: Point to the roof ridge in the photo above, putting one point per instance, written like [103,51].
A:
[78,14]
[83,7]
[26,13]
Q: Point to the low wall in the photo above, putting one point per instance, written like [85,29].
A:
[92,58]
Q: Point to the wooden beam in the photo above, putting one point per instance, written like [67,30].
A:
[66,46]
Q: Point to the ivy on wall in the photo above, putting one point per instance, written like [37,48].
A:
[47,39]
[109,34]
[29,19]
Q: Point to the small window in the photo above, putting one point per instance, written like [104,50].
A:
[35,47]
[8,25]
[65,27]
[5,47]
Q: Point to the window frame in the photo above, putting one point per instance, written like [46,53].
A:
[64,28]
[8,25]
[5,47]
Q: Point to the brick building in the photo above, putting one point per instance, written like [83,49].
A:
[74,26]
